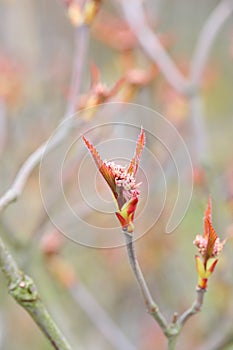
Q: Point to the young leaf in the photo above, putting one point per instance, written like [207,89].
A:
[133,167]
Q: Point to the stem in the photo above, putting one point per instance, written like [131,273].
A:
[149,302]
[24,291]
[195,308]
[171,345]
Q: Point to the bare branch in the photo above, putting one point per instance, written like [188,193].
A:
[33,160]
[24,291]
[134,14]
[81,46]
[3,125]
[100,318]
[221,338]
[199,147]
[195,308]
[206,38]
[149,302]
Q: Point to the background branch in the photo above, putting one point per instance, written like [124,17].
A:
[24,291]
[99,317]
[16,189]
[207,37]
[134,14]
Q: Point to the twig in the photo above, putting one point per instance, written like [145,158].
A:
[33,160]
[3,125]
[149,302]
[204,44]
[199,148]
[100,318]
[220,339]
[195,308]
[24,291]
[81,46]
[173,329]
[206,39]
[134,14]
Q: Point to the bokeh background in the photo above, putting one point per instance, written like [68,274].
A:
[84,287]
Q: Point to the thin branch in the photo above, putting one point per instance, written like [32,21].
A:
[199,148]
[3,125]
[24,291]
[195,308]
[134,14]
[204,44]
[207,37]
[81,46]
[33,160]
[100,318]
[149,302]
[220,339]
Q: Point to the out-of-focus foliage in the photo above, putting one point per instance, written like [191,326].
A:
[36,55]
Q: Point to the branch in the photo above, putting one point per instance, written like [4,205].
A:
[195,308]
[199,149]
[221,338]
[149,302]
[99,317]
[24,291]
[206,39]
[81,46]
[3,125]
[33,160]
[134,14]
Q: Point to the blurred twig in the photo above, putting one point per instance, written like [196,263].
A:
[16,189]
[99,317]
[207,37]
[2,330]
[24,291]
[81,45]
[204,44]
[65,274]
[134,14]
[221,338]
[3,127]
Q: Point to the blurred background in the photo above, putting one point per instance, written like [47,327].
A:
[91,292]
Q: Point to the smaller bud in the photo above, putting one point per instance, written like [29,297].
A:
[126,215]
[204,272]
[209,246]
[82,15]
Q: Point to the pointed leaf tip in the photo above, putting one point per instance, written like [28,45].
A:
[207,218]
[133,167]
[208,211]
[212,236]
[105,171]
[94,153]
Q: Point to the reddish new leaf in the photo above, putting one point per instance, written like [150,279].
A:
[207,218]
[133,167]
[212,236]
[103,168]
